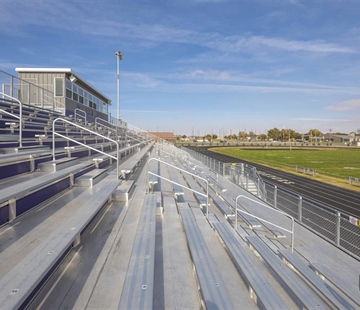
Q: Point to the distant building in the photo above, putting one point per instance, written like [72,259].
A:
[62,89]
[337,138]
[168,136]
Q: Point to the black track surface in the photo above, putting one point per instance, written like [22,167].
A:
[341,199]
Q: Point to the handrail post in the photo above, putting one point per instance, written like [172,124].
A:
[338,225]
[53,139]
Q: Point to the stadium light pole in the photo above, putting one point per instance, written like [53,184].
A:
[119,56]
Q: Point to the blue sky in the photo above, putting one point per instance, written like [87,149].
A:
[201,66]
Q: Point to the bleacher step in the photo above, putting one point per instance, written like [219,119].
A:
[91,178]
[23,280]
[303,268]
[58,164]
[9,137]
[301,293]
[124,190]
[20,149]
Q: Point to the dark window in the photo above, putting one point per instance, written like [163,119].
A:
[59,87]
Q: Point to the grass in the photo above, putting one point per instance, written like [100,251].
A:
[333,165]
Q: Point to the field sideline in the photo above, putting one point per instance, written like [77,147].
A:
[329,163]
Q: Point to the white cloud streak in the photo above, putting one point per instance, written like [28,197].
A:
[344,106]
[47,14]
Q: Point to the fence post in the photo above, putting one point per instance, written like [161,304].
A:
[300,209]
[275,196]
[338,224]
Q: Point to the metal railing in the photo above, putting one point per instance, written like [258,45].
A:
[236,172]
[54,133]
[183,186]
[13,115]
[292,231]
[28,93]
[80,113]
[340,229]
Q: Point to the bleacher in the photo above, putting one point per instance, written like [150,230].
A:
[93,224]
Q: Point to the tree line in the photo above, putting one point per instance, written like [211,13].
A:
[274,134]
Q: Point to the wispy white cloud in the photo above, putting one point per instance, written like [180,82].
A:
[239,77]
[77,18]
[349,105]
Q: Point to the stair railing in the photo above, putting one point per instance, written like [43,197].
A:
[54,133]
[80,113]
[183,186]
[292,231]
[13,115]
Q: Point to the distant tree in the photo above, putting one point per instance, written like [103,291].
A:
[208,137]
[183,136]
[214,136]
[262,136]
[315,133]
[274,134]
[242,135]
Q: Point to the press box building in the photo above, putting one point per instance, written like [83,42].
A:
[63,90]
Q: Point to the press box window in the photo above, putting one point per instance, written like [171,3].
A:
[59,86]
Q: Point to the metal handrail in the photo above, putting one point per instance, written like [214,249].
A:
[182,170]
[87,146]
[292,231]
[18,117]
[76,113]
[107,127]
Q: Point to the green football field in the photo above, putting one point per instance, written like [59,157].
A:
[335,162]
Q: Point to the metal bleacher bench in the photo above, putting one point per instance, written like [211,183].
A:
[20,190]
[350,291]
[139,282]
[335,300]
[129,165]
[302,294]
[21,281]
[178,190]
[222,206]
[212,288]
[217,187]
[266,296]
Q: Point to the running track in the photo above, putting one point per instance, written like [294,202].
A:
[344,200]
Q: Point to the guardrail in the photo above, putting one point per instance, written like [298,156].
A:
[13,115]
[292,231]
[54,133]
[29,93]
[183,186]
[340,229]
